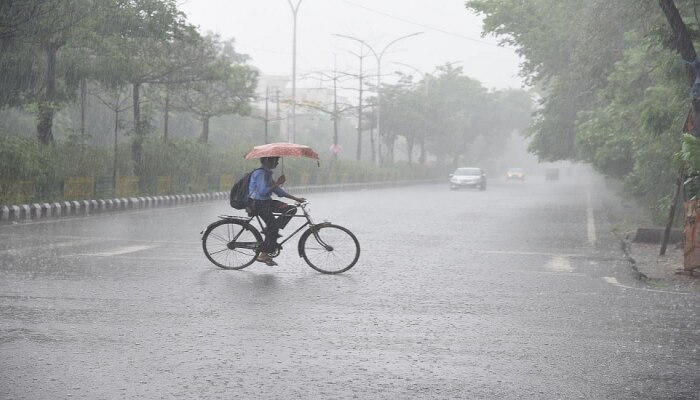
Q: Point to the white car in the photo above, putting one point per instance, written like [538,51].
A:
[515,173]
[468,177]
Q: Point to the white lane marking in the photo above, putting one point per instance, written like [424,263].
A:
[154,258]
[120,251]
[135,258]
[591,220]
[613,281]
[48,246]
[559,264]
[529,253]
[552,273]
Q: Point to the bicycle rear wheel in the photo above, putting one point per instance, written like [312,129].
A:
[333,250]
[231,244]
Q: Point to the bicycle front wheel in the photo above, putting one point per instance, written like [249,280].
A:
[231,244]
[332,250]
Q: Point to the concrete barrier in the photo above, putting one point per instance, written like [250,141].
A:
[35,211]
[46,211]
[25,211]
[77,208]
[56,210]
[21,212]
[14,213]
[66,209]
[95,207]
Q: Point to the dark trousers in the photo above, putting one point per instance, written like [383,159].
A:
[265,209]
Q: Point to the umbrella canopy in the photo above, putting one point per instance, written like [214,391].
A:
[282,149]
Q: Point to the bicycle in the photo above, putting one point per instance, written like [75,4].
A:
[233,242]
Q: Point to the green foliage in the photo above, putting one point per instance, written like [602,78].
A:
[227,89]
[612,94]
[569,49]
[690,152]
[183,159]
[450,113]
[44,168]
[20,160]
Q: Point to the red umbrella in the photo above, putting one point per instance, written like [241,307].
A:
[282,149]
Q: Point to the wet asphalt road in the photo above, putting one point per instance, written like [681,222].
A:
[518,292]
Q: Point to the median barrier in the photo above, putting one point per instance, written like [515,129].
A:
[46,210]
[55,210]
[24,212]
[94,206]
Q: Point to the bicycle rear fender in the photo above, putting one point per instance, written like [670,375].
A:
[245,222]
[308,232]
[235,218]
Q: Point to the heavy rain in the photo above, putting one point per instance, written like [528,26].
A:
[349,199]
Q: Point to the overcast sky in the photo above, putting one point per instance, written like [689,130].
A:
[263,30]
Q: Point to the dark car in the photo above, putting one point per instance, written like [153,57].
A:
[468,177]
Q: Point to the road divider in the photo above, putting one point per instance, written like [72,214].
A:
[25,212]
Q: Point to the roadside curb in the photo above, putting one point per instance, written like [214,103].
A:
[26,212]
[626,250]
[89,207]
[658,272]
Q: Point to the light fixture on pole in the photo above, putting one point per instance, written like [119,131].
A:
[378,57]
[292,133]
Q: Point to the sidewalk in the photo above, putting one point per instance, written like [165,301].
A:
[627,219]
[663,272]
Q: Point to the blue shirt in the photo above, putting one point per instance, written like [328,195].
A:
[260,187]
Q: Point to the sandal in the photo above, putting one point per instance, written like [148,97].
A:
[264,258]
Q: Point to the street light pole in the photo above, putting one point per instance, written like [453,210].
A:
[378,57]
[420,73]
[425,75]
[292,133]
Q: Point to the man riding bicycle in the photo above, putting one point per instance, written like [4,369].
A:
[260,190]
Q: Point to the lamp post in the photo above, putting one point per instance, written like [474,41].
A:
[292,133]
[420,73]
[425,74]
[378,57]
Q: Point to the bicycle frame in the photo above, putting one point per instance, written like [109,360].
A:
[309,223]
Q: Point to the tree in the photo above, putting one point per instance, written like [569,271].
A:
[569,49]
[454,110]
[229,90]
[31,34]
[611,91]
[449,114]
[402,115]
[155,46]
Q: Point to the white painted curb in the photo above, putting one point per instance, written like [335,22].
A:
[23,212]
